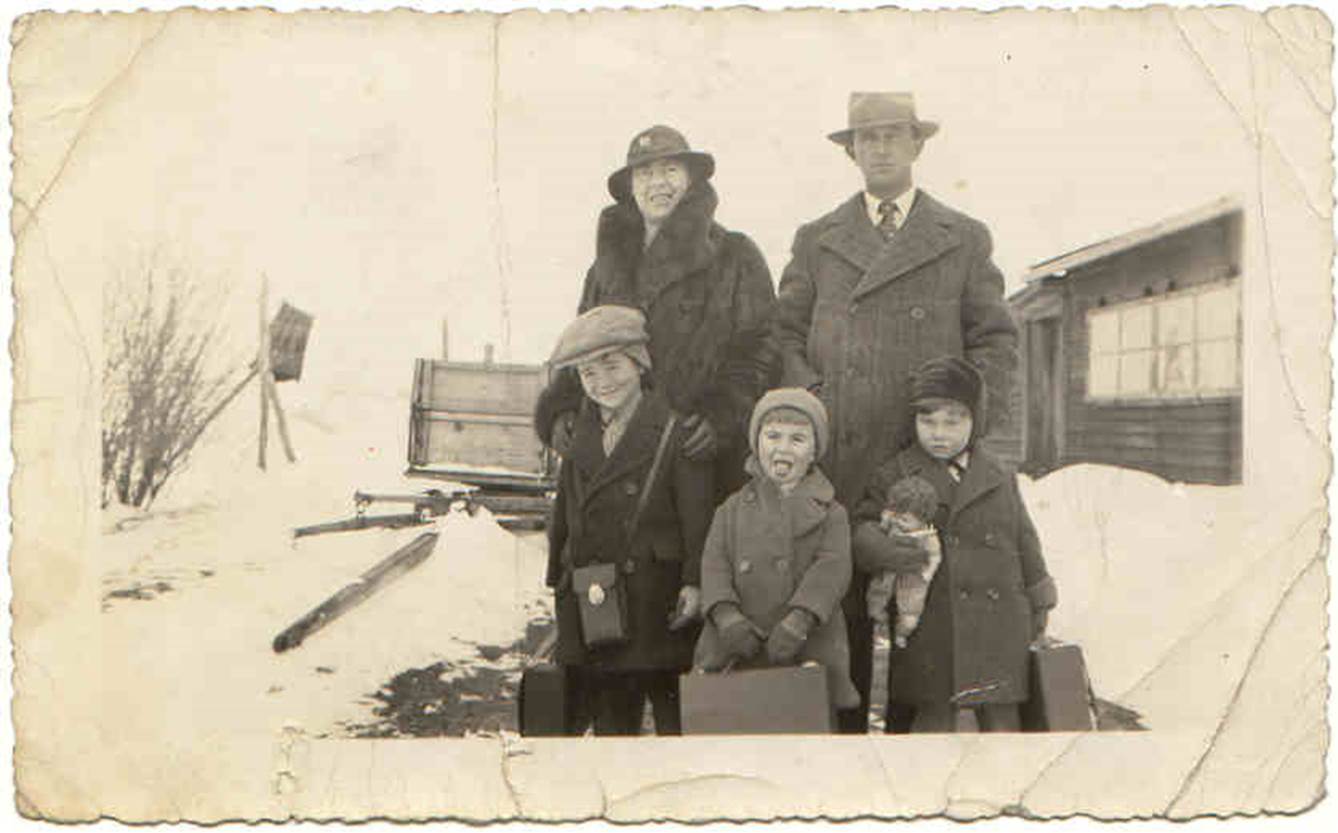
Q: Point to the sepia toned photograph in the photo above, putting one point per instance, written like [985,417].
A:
[670,415]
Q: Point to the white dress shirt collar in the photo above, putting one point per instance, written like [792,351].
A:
[904,202]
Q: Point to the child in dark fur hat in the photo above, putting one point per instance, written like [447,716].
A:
[965,664]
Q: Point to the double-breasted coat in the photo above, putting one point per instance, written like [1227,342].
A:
[971,645]
[857,313]
[709,304]
[768,553]
[597,495]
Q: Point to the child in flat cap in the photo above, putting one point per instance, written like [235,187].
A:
[776,563]
[620,430]
[965,664]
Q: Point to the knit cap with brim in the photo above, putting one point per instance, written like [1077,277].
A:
[797,399]
[952,378]
[601,330]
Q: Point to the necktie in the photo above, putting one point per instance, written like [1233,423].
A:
[956,470]
[889,217]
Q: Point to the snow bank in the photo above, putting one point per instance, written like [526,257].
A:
[1142,564]
[200,654]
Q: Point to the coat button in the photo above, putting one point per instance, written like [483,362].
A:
[918,313]
[992,594]
[964,593]
[782,565]
[745,566]
[630,487]
[854,308]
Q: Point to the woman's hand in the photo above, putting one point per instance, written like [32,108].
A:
[702,443]
[564,426]
[689,608]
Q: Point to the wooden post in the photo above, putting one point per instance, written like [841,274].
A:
[445,340]
[279,419]
[217,409]
[357,591]
[262,362]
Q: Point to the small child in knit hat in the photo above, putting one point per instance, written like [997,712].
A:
[912,503]
[776,563]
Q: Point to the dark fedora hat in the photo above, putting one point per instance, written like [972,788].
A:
[879,110]
[658,142]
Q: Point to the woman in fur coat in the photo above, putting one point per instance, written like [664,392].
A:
[706,293]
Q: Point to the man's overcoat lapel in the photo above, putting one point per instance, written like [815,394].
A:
[926,235]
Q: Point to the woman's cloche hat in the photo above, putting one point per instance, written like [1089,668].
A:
[658,142]
[880,110]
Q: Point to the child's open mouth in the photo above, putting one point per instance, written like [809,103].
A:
[782,467]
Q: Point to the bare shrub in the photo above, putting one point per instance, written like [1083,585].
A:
[164,377]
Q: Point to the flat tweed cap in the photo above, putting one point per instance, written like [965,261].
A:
[601,330]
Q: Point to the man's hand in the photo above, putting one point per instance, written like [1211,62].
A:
[789,636]
[564,427]
[689,608]
[701,444]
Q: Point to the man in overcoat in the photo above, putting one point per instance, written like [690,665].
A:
[888,279]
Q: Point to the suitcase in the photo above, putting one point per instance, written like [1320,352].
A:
[1060,692]
[544,701]
[761,701]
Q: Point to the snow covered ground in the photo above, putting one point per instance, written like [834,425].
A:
[195,591]
[1192,604]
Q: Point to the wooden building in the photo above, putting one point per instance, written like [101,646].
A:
[1130,353]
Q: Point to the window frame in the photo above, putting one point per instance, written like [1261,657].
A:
[1156,396]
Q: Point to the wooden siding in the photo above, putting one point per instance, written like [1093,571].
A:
[1004,439]
[476,415]
[1190,440]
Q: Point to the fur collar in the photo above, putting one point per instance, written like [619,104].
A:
[686,243]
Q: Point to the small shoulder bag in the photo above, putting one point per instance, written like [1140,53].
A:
[600,593]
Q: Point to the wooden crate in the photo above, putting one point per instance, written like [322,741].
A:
[478,417]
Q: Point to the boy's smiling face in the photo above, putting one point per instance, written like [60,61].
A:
[943,428]
[785,448]
[609,379]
